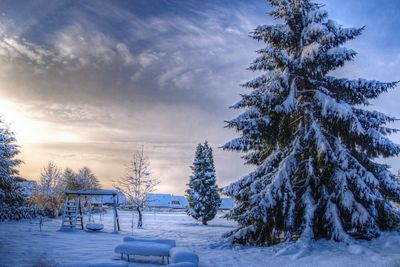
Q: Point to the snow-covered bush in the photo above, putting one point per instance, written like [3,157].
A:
[16,213]
[202,194]
[311,142]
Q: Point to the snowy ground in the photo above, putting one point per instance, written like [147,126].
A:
[21,244]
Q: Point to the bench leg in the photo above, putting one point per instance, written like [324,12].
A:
[128,257]
[162,260]
[168,260]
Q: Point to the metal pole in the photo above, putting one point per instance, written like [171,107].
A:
[80,211]
[116,213]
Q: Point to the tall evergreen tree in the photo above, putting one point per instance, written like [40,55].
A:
[202,193]
[11,193]
[310,139]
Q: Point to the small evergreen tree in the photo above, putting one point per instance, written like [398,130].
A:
[11,192]
[202,193]
[311,141]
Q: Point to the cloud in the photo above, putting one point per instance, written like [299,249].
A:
[125,54]
[13,49]
[96,61]
[88,46]
[72,48]
[68,113]
[19,55]
[148,57]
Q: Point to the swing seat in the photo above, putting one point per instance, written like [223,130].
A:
[94,226]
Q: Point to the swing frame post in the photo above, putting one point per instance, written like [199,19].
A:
[116,218]
[80,211]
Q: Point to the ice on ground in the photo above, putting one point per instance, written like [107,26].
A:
[21,244]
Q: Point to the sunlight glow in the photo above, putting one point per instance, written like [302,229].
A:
[30,130]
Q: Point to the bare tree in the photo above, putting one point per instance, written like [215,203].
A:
[87,179]
[84,179]
[49,193]
[137,183]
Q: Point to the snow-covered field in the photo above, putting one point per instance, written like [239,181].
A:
[21,244]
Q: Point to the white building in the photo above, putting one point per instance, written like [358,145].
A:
[161,201]
[166,201]
[179,202]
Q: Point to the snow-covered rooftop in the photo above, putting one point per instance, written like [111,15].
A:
[98,192]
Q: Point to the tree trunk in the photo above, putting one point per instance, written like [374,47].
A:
[204,222]
[140,222]
[132,221]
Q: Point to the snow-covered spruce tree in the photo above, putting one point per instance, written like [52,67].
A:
[11,193]
[202,194]
[311,141]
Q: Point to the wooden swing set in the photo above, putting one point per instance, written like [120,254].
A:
[72,215]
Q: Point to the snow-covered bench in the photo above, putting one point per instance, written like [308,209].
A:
[181,255]
[170,242]
[145,247]
[182,264]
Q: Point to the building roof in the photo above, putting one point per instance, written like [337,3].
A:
[158,200]
[98,192]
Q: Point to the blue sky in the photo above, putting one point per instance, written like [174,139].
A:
[86,83]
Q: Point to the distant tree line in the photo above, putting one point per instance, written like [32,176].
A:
[49,192]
